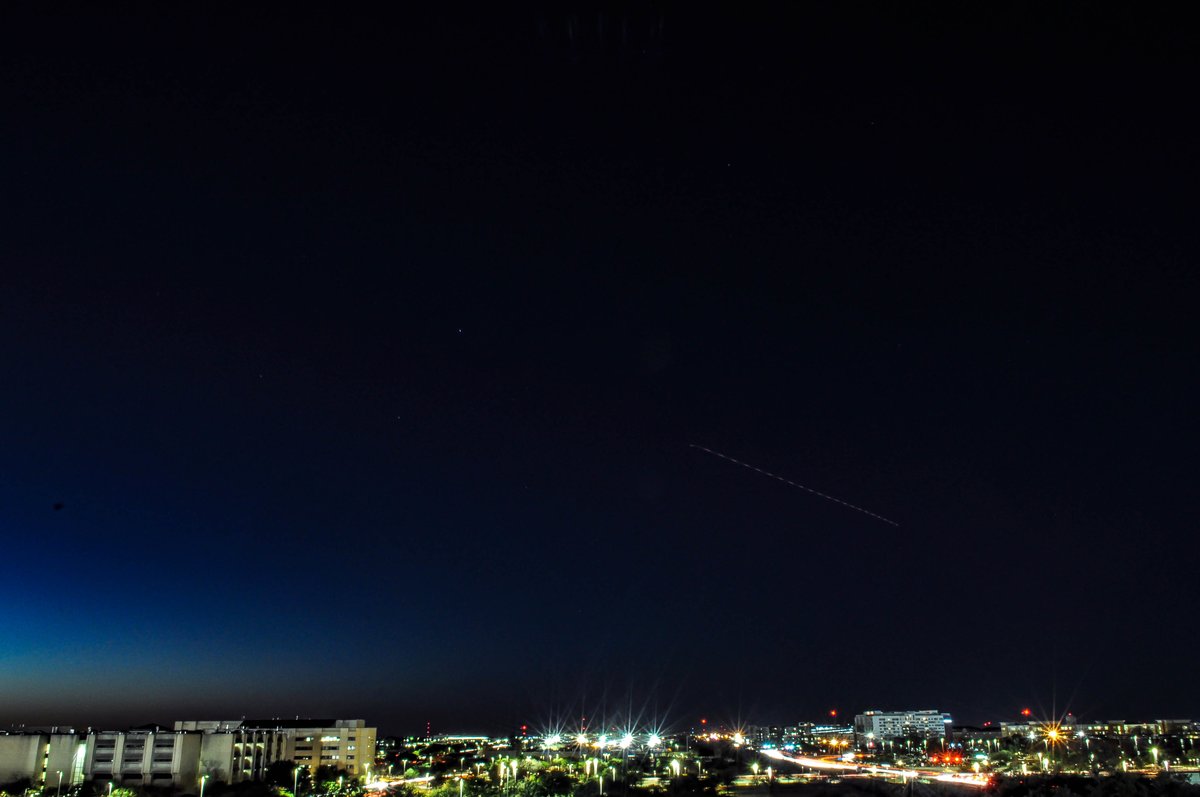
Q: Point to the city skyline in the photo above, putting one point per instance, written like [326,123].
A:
[373,365]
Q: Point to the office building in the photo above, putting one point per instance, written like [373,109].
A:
[344,744]
[896,724]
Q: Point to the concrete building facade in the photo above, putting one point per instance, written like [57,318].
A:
[231,751]
[45,758]
[143,758]
[343,744]
[22,755]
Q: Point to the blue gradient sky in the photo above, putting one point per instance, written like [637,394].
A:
[365,361]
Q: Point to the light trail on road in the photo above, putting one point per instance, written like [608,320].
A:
[959,778]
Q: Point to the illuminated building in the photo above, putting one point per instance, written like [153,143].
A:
[146,757]
[896,724]
[344,744]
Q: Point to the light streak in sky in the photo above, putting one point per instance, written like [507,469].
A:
[794,484]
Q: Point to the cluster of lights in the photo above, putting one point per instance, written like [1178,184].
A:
[554,740]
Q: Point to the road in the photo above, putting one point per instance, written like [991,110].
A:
[832,764]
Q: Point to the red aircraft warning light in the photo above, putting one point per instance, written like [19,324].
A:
[1026,712]
[833,712]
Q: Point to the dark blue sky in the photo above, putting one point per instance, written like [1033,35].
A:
[364,355]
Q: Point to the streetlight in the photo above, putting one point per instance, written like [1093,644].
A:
[59,794]
[296,782]
[203,778]
[201,788]
[675,766]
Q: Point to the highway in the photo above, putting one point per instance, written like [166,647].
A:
[833,764]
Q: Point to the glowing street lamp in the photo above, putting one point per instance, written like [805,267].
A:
[295,782]
[203,778]
[626,741]
[654,741]
[59,793]
[675,766]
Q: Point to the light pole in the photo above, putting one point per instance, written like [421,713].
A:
[203,778]
[296,782]
[201,788]
[59,793]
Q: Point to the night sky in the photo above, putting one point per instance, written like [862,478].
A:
[350,364]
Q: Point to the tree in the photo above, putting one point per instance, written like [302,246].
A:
[284,775]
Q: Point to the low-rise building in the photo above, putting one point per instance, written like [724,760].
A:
[229,751]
